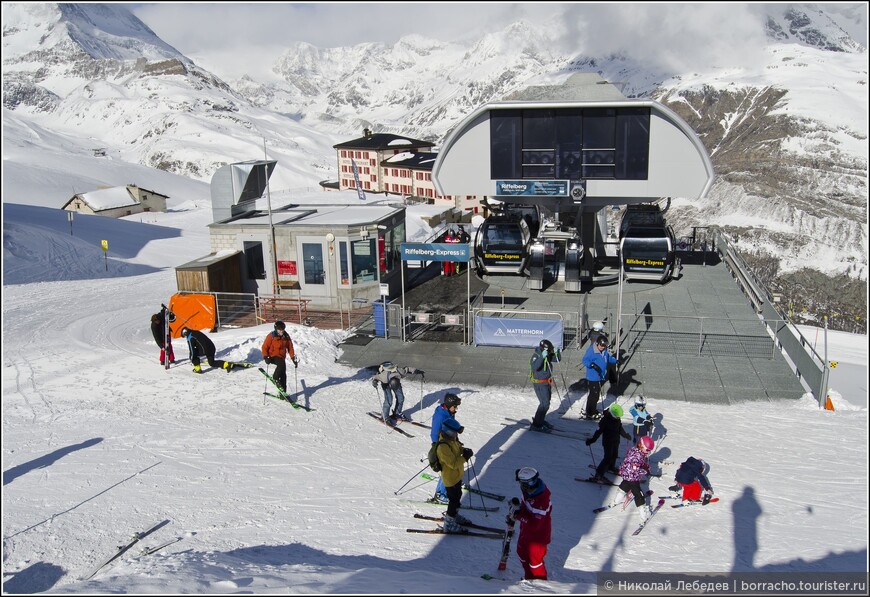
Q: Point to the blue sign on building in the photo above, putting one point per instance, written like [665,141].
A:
[532,188]
[435,252]
[500,331]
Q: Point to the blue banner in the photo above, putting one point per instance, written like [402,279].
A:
[359,190]
[435,252]
[532,188]
[501,331]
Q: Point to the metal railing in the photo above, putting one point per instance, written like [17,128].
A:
[697,335]
[809,366]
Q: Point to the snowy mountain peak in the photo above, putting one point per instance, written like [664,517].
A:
[100,31]
[812,27]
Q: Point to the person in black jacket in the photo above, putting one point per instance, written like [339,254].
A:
[161,334]
[201,346]
[609,429]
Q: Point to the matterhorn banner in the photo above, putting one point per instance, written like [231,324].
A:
[524,333]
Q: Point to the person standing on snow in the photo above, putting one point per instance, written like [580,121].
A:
[443,412]
[541,375]
[275,349]
[634,469]
[390,377]
[449,267]
[452,456]
[200,346]
[534,514]
[160,331]
[596,361]
[609,429]
[643,422]
[691,478]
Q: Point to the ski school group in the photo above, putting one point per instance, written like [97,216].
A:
[449,457]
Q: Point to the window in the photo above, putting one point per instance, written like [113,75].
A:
[343,263]
[254,260]
[570,143]
[363,260]
[312,263]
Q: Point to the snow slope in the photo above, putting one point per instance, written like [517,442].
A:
[99,441]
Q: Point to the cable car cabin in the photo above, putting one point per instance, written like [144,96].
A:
[647,253]
[501,245]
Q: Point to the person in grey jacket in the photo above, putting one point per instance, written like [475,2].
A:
[390,378]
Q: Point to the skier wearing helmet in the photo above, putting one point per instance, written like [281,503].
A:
[443,412]
[691,477]
[534,514]
[643,422]
[609,429]
[541,375]
[634,470]
[276,347]
[596,360]
[390,378]
[201,347]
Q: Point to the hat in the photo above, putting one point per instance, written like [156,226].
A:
[279,325]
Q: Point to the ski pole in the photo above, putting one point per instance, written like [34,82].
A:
[592,456]
[412,478]
[476,482]
[296,377]
[266,385]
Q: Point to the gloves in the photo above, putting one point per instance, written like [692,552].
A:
[590,441]
[467,453]
[374,383]
[295,362]
[709,492]
[513,508]
[595,367]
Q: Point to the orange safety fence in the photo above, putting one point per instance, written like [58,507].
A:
[194,311]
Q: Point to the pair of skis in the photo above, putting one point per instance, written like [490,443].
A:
[122,549]
[281,394]
[480,530]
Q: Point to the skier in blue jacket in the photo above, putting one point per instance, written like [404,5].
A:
[643,421]
[443,412]
[596,361]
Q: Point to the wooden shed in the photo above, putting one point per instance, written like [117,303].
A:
[217,272]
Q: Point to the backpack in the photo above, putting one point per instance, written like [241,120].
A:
[434,463]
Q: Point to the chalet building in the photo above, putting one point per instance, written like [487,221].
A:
[395,165]
[116,202]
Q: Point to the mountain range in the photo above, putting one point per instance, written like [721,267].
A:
[787,134]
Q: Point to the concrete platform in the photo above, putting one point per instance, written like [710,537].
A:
[695,339]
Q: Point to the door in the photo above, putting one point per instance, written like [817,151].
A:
[314,272]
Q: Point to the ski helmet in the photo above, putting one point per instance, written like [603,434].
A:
[280,325]
[598,326]
[616,410]
[705,468]
[395,383]
[640,402]
[185,331]
[546,346]
[646,444]
[601,340]
[451,399]
[527,476]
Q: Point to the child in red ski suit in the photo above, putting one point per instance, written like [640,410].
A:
[534,515]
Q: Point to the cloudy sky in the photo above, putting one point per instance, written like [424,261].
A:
[234,38]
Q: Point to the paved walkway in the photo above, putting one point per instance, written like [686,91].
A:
[695,338]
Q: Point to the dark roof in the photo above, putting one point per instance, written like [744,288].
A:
[422,160]
[383,141]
